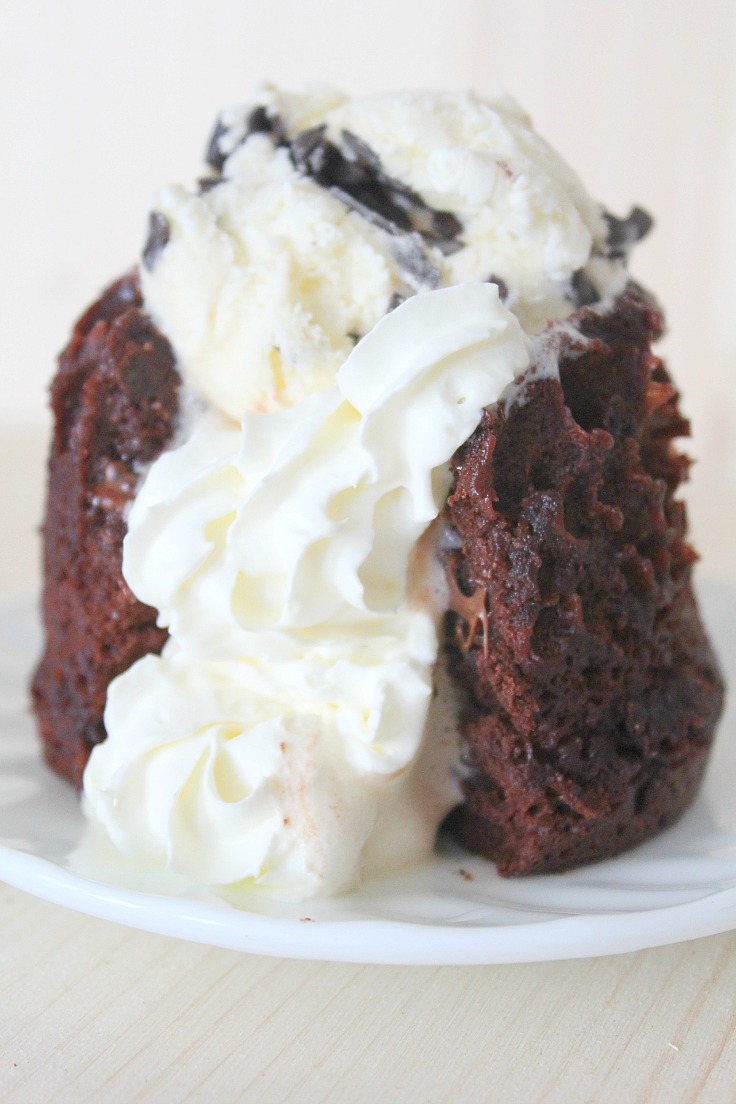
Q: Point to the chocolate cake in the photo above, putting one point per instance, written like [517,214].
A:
[591,690]
[588,692]
[115,399]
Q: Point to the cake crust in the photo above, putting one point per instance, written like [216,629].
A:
[592,691]
[114,400]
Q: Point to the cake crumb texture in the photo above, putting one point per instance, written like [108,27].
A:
[592,705]
[115,401]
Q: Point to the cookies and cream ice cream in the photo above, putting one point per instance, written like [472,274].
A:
[297,248]
[348,288]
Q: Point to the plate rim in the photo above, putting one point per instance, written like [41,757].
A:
[392,942]
[376,940]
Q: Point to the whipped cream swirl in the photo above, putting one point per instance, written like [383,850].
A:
[284,739]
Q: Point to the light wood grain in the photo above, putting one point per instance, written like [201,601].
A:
[95,1012]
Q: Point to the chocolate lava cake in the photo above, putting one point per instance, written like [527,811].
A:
[590,690]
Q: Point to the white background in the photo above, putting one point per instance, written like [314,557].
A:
[101,102]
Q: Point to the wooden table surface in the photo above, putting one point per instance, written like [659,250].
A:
[96,1012]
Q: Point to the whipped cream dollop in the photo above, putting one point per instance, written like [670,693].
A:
[352,283]
[278,737]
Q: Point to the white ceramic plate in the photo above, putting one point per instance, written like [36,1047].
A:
[454,911]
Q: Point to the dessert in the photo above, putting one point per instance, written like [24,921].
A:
[361,513]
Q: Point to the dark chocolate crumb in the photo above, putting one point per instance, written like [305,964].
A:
[353,175]
[419,218]
[401,193]
[261,121]
[623,233]
[304,147]
[436,226]
[159,233]
[503,288]
[447,248]
[584,290]
[368,213]
[214,155]
[410,253]
[445,225]
[258,121]
[642,221]
[139,382]
[207,183]
[358,150]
